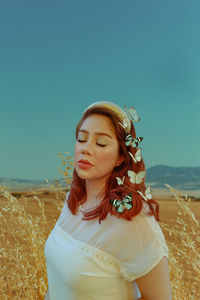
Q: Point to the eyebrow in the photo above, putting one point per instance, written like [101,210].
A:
[97,133]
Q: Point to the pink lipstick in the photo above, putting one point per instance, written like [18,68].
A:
[84,164]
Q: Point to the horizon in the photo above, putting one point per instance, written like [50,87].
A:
[63,177]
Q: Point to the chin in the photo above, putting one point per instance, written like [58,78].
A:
[82,174]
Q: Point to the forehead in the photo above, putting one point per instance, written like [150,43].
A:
[97,122]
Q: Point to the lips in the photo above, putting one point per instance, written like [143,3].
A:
[84,164]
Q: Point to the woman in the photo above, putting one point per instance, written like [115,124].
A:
[107,243]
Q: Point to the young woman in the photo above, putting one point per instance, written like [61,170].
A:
[107,243]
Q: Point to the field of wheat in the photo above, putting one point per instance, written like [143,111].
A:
[27,218]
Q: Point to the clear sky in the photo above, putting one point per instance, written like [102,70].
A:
[57,57]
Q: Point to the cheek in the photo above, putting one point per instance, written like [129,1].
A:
[108,157]
[76,151]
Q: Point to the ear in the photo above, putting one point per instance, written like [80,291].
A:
[119,160]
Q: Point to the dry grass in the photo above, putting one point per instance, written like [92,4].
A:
[184,259]
[24,232]
[22,239]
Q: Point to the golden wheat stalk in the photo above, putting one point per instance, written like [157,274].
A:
[23,236]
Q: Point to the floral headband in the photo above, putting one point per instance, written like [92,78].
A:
[126,116]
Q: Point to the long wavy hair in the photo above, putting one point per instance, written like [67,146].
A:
[113,190]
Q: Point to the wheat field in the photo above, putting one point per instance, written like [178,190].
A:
[27,218]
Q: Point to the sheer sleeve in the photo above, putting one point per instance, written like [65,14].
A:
[146,246]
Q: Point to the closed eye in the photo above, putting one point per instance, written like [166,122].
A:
[84,141]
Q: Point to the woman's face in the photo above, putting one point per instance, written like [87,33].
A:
[96,149]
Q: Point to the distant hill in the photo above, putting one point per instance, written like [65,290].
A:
[182,178]
[15,185]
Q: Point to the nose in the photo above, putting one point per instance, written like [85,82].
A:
[87,148]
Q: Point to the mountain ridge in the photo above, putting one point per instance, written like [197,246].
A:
[183,178]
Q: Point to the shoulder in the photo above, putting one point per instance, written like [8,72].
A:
[144,245]
[142,221]
[142,230]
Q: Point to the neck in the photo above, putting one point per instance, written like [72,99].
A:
[95,190]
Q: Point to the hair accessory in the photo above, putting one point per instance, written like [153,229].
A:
[137,156]
[120,181]
[122,115]
[121,205]
[136,177]
[124,125]
[132,114]
[147,195]
[130,141]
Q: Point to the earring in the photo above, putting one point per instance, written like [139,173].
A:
[118,163]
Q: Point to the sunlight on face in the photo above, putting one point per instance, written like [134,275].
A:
[96,144]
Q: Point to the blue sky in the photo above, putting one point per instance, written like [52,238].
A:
[57,57]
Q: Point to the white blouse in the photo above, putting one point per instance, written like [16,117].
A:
[87,260]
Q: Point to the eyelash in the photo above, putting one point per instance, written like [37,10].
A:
[82,141]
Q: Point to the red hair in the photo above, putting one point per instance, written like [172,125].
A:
[112,189]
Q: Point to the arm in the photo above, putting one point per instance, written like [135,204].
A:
[155,285]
